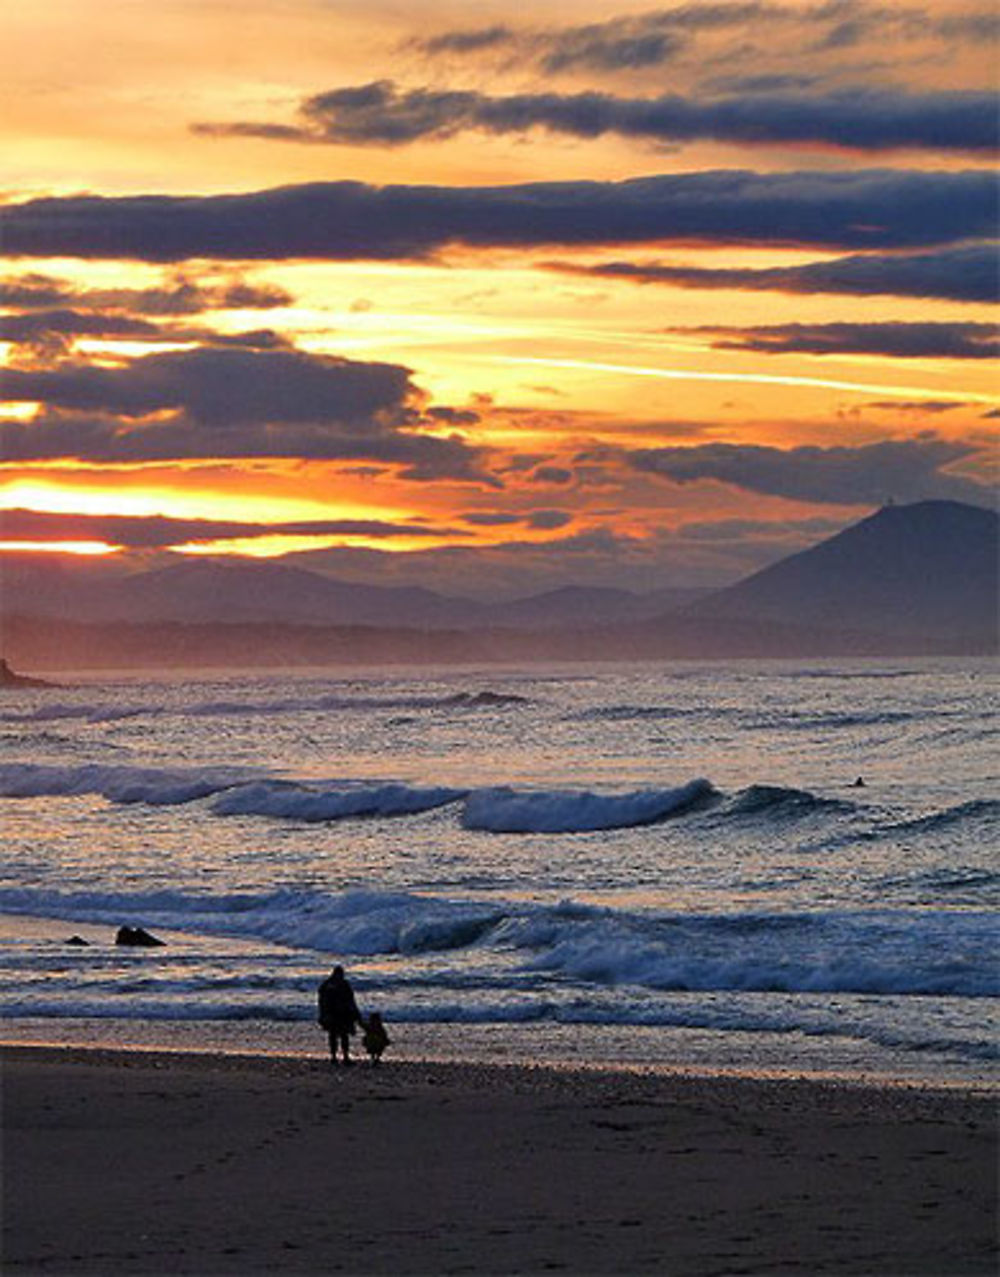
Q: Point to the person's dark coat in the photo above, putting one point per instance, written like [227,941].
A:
[338,1011]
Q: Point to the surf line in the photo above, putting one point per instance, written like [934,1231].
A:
[763,378]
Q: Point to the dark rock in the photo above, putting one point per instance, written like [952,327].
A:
[77,940]
[137,936]
[9,679]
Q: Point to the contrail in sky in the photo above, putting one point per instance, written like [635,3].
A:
[767,379]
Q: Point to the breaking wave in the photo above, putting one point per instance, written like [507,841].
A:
[941,953]
[293,802]
[506,810]
[119,784]
[242,793]
[247,792]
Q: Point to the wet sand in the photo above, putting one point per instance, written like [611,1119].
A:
[155,1163]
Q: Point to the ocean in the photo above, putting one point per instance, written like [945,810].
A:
[666,865]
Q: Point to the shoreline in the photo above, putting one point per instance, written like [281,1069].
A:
[210,1056]
[160,1161]
[611,1047]
[669,1048]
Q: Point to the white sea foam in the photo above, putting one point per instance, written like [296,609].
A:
[939,953]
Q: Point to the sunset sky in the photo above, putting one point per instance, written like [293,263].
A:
[491,297]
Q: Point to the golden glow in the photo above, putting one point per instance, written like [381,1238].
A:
[266,547]
[19,411]
[210,502]
[109,352]
[552,375]
[33,494]
[61,547]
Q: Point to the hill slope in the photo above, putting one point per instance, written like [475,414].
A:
[201,591]
[908,579]
[928,569]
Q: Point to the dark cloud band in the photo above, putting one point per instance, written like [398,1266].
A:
[869,208]
[966,274]
[177,296]
[38,325]
[221,388]
[102,440]
[381,114]
[629,42]
[896,340]
[159,532]
[232,402]
[906,470]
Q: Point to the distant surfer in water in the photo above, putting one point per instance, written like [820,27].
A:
[859,783]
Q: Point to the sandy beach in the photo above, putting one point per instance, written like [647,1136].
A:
[146,1162]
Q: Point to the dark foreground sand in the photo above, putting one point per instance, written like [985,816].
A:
[141,1163]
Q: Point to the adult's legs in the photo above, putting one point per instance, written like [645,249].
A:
[344,1040]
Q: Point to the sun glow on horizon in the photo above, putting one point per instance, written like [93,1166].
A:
[88,549]
[241,314]
[159,501]
[272,547]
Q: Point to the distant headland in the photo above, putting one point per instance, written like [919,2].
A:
[8,678]
[914,580]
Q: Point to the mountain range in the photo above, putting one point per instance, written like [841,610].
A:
[198,590]
[915,578]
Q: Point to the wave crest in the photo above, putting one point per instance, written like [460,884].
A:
[295,802]
[119,784]
[505,810]
[54,711]
[940,953]
[777,800]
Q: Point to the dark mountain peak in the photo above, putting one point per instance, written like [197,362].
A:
[930,568]
[916,512]
[925,518]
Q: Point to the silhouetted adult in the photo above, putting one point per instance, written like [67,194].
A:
[338,1013]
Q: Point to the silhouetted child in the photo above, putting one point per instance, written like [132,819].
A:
[375,1038]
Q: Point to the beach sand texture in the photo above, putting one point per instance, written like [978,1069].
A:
[155,1163]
